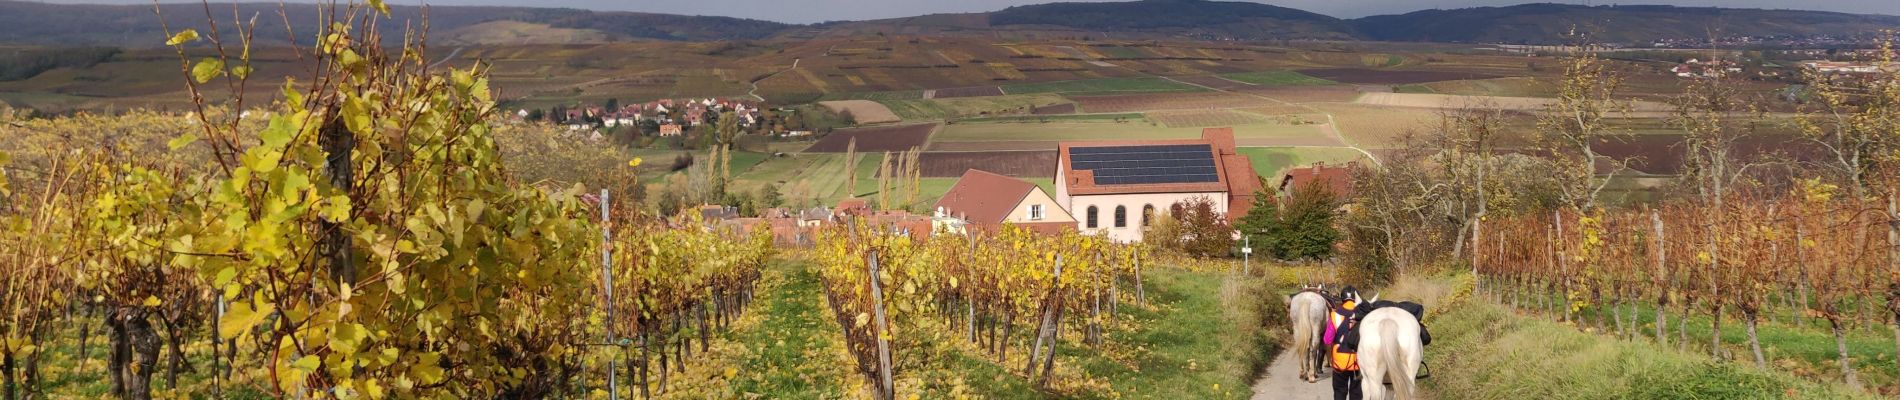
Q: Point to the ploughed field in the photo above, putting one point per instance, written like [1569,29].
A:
[1364,76]
[875,139]
[1020,164]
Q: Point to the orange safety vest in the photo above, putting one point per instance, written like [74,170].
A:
[1342,361]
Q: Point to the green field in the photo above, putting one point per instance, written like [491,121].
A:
[1106,131]
[1269,162]
[1103,86]
[1277,78]
[966,107]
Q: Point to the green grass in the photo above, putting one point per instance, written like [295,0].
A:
[1269,162]
[805,179]
[792,336]
[1103,86]
[1277,78]
[1482,350]
[1207,339]
[1804,347]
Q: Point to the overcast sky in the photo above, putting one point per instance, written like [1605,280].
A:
[809,11]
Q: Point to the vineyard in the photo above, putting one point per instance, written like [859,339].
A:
[1817,262]
[377,233]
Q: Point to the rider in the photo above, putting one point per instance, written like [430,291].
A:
[1346,384]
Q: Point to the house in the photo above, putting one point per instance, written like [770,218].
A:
[671,130]
[813,217]
[1338,179]
[1113,188]
[902,223]
[851,207]
[695,115]
[715,212]
[985,201]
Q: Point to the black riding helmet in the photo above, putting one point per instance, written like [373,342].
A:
[1348,293]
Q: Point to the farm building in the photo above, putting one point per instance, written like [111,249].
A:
[1114,187]
[985,201]
[1336,178]
[670,130]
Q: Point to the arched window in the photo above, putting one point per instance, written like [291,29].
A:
[1147,215]
[1092,214]
[1121,216]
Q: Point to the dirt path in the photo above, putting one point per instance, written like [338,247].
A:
[1282,382]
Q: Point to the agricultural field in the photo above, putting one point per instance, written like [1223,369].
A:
[1041,118]
[875,139]
[1044,136]
[1054,109]
[1167,101]
[1272,162]
[1635,108]
[1021,164]
[1204,118]
[1277,78]
[1379,127]
[1212,81]
[1308,94]
[1509,87]
[875,96]
[977,91]
[972,107]
[864,112]
[1101,86]
[1364,76]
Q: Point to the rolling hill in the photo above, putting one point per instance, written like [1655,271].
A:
[1548,23]
[30,23]
[1134,19]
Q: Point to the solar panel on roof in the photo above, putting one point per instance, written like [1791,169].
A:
[1151,164]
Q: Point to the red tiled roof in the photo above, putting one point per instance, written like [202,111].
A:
[984,197]
[851,206]
[1339,179]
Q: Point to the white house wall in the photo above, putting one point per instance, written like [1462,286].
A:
[1051,211]
[1133,231]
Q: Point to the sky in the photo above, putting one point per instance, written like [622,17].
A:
[810,11]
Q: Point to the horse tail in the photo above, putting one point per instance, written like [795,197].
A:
[1390,355]
[1303,335]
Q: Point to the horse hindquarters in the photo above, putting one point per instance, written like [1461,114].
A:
[1394,359]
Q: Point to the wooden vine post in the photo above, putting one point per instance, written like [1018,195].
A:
[885,390]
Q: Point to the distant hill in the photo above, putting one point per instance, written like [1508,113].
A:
[1548,23]
[1143,18]
[135,25]
[33,23]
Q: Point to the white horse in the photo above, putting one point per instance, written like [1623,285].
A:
[1306,311]
[1390,350]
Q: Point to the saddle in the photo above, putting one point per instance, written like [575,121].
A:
[1350,337]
